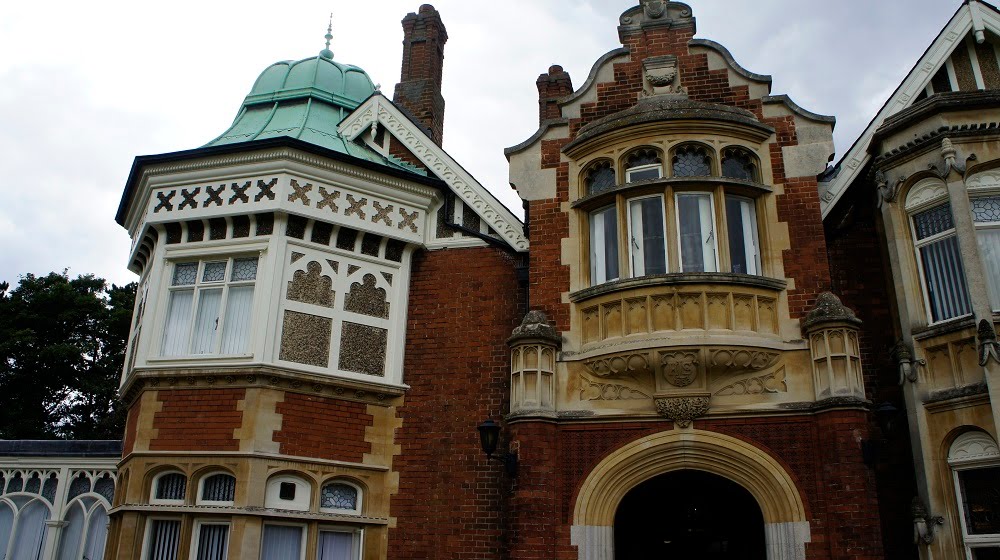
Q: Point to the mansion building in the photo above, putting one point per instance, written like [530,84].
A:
[702,341]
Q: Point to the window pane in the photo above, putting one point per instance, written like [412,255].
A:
[601,177]
[219,488]
[945,279]
[203,341]
[742,226]
[691,161]
[72,533]
[648,245]
[738,164]
[30,532]
[236,329]
[981,499]
[171,487]
[177,329]
[986,209]
[214,272]
[986,553]
[335,546]
[97,534]
[163,536]
[185,274]
[989,250]
[244,269]
[281,542]
[604,245]
[697,232]
[212,542]
[339,496]
[934,221]
[6,525]
[643,174]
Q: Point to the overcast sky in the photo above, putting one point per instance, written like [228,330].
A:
[87,86]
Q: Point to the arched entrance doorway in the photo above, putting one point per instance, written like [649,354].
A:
[689,514]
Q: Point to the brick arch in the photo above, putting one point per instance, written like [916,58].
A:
[785,518]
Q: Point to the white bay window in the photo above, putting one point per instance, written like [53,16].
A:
[647,247]
[210,306]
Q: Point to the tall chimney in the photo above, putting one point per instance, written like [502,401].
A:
[419,87]
[551,88]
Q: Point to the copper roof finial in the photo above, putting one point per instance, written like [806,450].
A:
[326,52]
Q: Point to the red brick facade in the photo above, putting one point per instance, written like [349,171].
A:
[197,420]
[323,428]
[463,305]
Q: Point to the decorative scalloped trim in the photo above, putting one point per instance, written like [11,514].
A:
[973,446]
[924,192]
[379,109]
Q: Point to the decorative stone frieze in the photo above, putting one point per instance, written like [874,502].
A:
[534,345]
[832,330]
[620,365]
[683,410]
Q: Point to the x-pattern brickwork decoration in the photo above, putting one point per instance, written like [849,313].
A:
[214,196]
[164,204]
[299,192]
[328,200]
[189,198]
[409,220]
[357,206]
[240,193]
[382,214]
[266,189]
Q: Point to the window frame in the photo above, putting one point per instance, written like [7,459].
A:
[911,212]
[147,534]
[758,260]
[303,536]
[631,240]
[198,288]
[196,535]
[163,501]
[715,228]
[198,500]
[594,245]
[273,496]
[359,503]
[985,226]
[970,542]
[357,534]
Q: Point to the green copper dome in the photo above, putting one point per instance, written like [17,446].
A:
[306,100]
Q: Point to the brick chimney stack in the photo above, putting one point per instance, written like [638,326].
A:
[551,88]
[419,87]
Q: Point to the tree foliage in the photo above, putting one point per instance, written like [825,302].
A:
[62,347]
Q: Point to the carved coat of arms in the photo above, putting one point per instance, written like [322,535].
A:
[680,368]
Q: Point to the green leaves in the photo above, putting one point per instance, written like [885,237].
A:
[62,346]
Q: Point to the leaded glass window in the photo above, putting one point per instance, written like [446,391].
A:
[105,486]
[170,486]
[49,488]
[600,177]
[34,484]
[15,484]
[643,164]
[218,488]
[691,161]
[941,263]
[738,163]
[338,495]
[80,485]
[986,212]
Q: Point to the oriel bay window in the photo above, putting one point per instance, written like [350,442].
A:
[209,307]
[699,231]
[986,213]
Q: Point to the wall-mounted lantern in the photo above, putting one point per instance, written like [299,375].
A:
[489,438]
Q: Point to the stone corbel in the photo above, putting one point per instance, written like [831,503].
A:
[923,523]
[887,190]
[683,410]
[951,163]
[903,357]
[988,347]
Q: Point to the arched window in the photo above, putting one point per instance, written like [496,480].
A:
[29,532]
[169,488]
[739,163]
[975,461]
[691,160]
[600,176]
[643,164]
[340,496]
[86,529]
[6,525]
[937,251]
[78,486]
[986,213]
[287,492]
[219,489]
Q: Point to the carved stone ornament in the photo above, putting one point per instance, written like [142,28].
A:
[988,347]
[770,383]
[949,155]
[828,309]
[654,8]
[728,360]
[619,365]
[887,190]
[923,523]
[682,409]
[903,357]
[680,368]
[662,76]
[535,326]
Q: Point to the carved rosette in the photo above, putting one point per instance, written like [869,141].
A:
[682,410]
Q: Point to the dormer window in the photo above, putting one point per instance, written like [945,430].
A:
[643,164]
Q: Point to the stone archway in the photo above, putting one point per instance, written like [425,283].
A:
[786,524]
